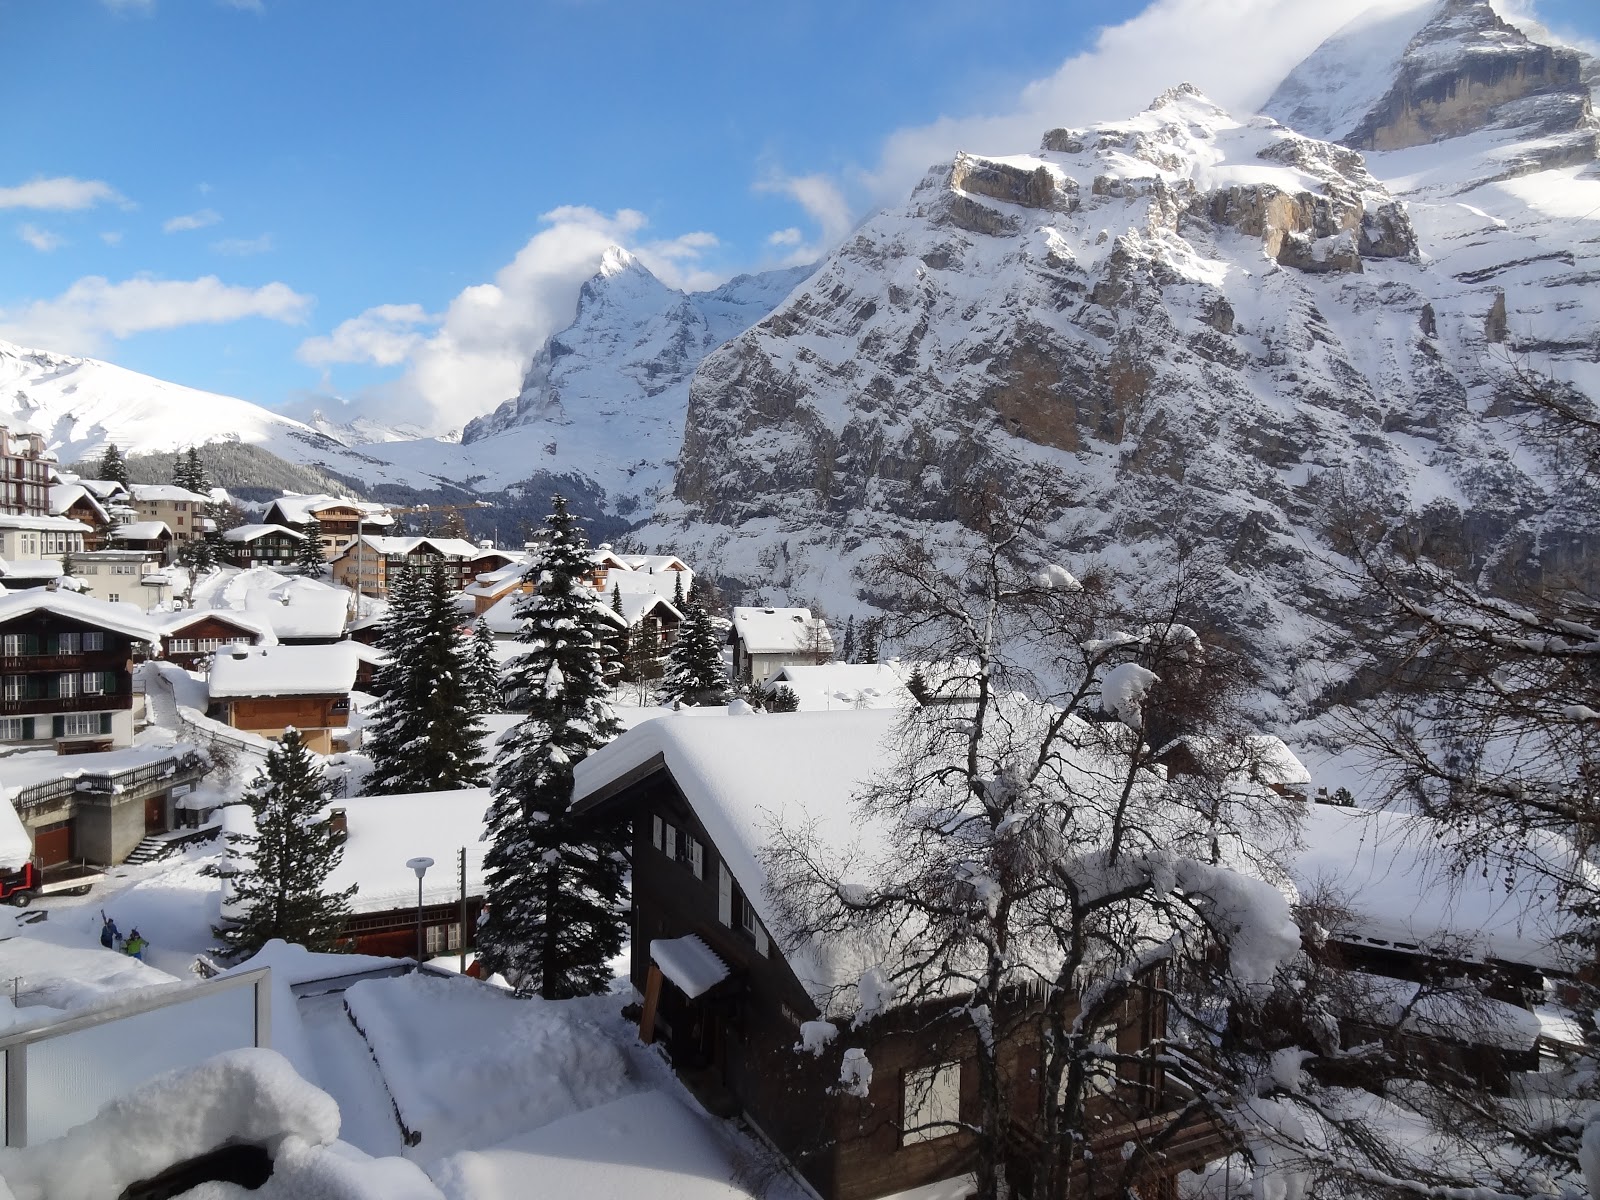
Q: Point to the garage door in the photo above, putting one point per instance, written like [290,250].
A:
[53,843]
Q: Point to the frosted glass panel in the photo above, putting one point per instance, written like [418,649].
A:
[71,1076]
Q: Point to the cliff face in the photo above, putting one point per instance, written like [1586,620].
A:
[1210,326]
[604,399]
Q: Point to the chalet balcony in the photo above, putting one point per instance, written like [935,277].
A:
[36,664]
[49,706]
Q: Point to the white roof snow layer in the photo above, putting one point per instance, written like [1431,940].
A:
[120,618]
[284,670]
[383,832]
[778,630]
[689,963]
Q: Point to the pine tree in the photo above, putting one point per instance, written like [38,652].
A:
[695,674]
[869,640]
[558,908]
[616,598]
[308,554]
[484,669]
[197,557]
[783,699]
[849,654]
[285,864]
[113,466]
[425,734]
[677,590]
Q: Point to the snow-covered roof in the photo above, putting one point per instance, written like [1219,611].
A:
[1392,871]
[284,670]
[43,524]
[1263,755]
[384,831]
[175,623]
[33,767]
[140,531]
[501,616]
[689,963]
[297,607]
[298,509]
[249,533]
[165,493]
[446,547]
[829,686]
[30,568]
[119,618]
[655,562]
[636,606]
[746,774]
[64,495]
[780,631]
[103,488]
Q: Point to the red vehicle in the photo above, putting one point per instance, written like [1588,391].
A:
[70,879]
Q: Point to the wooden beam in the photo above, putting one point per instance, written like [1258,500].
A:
[652,997]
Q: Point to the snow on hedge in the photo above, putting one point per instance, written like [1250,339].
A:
[252,1096]
[469,1066]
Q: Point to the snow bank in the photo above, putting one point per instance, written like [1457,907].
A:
[55,979]
[643,1145]
[302,1171]
[470,1066]
[251,1096]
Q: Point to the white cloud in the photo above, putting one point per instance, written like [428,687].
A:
[81,319]
[112,237]
[824,202]
[41,240]
[194,220]
[243,246]
[385,336]
[785,237]
[1235,51]
[61,193]
[463,362]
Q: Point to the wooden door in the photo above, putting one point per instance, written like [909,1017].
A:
[53,843]
[155,813]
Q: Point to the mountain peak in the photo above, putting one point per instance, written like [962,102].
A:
[615,261]
[1434,71]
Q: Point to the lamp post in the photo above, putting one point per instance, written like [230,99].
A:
[420,866]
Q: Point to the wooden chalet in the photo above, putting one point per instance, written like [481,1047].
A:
[189,637]
[739,1003]
[369,563]
[341,518]
[249,546]
[66,670]
[78,503]
[266,689]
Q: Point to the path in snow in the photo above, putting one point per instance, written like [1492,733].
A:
[345,1071]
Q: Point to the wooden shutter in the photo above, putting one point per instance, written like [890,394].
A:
[763,946]
[655,832]
[724,894]
[697,857]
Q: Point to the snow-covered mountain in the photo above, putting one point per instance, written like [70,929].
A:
[605,397]
[1209,323]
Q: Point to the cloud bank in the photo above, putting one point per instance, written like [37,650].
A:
[94,311]
[61,194]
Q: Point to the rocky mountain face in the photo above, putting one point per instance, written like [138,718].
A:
[605,397]
[1210,325]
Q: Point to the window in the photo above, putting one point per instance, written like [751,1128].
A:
[67,685]
[181,646]
[124,568]
[81,724]
[68,643]
[14,644]
[724,895]
[695,855]
[13,687]
[439,939]
[931,1103]
[114,597]
[96,683]
[655,832]
[94,641]
[670,842]
[14,729]
[751,924]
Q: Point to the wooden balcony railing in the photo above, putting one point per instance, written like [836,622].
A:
[50,705]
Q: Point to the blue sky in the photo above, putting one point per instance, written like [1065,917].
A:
[290,199]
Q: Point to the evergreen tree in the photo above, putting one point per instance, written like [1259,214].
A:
[484,669]
[677,590]
[189,472]
[783,699]
[917,685]
[308,554]
[616,598]
[197,557]
[849,651]
[113,466]
[425,735]
[869,640]
[558,910]
[695,674]
[285,864]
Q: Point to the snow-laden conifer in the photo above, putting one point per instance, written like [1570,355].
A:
[557,905]
[695,674]
[484,669]
[426,735]
[308,554]
[113,466]
[282,870]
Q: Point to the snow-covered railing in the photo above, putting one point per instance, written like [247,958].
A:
[110,783]
[58,1074]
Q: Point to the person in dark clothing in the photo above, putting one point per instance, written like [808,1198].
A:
[110,935]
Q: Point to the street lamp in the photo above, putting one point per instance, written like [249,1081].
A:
[420,866]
